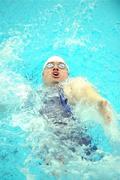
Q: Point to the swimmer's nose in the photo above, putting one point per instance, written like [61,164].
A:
[55,69]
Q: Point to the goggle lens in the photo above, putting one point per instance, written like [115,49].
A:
[51,65]
[62,66]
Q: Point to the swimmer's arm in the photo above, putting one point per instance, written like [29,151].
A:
[79,89]
[103,107]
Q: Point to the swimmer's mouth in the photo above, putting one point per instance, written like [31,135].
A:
[55,74]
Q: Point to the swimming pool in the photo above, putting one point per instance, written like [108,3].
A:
[87,34]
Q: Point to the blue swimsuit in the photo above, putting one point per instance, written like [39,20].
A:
[58,112]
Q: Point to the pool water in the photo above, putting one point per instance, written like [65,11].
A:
[86,33]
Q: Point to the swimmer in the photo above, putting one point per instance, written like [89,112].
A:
[60,95]
[56,72]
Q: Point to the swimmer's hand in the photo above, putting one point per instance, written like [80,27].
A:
[106,111]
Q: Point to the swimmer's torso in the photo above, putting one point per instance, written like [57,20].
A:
[52,108]
[64,123]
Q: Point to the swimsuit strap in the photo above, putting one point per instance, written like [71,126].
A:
[64,101]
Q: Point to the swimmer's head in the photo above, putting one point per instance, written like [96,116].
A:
[55,70]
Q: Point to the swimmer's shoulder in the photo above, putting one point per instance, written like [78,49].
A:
[76,82]
[41,89]
[76,88]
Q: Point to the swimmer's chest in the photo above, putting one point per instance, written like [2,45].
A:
[52,106]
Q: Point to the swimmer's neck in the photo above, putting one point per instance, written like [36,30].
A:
[53,84]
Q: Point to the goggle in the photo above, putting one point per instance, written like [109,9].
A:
[51,65]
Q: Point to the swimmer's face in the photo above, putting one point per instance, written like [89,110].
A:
[55,72]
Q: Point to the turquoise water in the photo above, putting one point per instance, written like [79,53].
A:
[86,33]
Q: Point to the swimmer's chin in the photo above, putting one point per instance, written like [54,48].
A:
[56,82]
